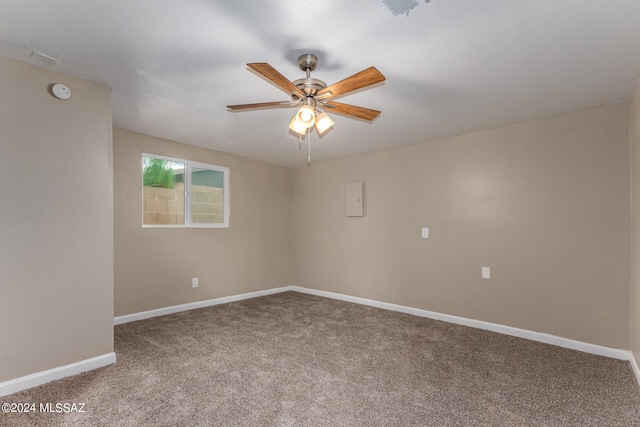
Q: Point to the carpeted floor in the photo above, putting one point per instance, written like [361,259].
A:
[292,359]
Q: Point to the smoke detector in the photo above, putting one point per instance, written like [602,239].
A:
[60,91]
[399,7]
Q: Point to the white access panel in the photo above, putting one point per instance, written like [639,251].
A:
[354,200]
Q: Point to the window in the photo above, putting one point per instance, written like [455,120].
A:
[182,193]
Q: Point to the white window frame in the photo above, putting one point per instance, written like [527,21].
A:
[188,166]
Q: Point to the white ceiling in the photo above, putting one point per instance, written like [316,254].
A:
[452,66]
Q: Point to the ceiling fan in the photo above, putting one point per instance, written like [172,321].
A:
[313,95]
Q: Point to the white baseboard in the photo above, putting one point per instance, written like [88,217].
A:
[193,305]
[43,377]
[502,329]
[635,367]
[494,327]
[33,380]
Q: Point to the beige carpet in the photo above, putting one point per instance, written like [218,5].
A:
[298,360]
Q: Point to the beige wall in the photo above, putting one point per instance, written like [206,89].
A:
[56,234]
[545,204]
[634,141]
[154,267]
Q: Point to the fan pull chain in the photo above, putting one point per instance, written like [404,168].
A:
[300,145]
[309,152]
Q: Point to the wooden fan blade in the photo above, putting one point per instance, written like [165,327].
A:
[241,107]
[351,110]
[271,74]
[359,80]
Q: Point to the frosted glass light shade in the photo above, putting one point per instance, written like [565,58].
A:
[296,126]
[306,116]
[323,123]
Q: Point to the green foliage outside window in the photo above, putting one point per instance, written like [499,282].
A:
[157,173]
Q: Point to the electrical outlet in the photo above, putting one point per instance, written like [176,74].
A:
[194,282]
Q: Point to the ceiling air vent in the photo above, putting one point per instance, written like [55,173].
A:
[399,7]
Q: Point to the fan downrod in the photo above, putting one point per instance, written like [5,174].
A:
[309,86]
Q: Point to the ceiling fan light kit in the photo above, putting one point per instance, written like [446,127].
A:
[297,127]
[306,116]
[323,123]
[313,95]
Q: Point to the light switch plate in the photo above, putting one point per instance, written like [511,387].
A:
[486,272]
[425,232]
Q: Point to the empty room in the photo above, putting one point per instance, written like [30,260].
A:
[355,213]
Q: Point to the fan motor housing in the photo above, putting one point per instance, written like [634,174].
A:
[310,86]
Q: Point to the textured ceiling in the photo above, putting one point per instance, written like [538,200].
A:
[452,66]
